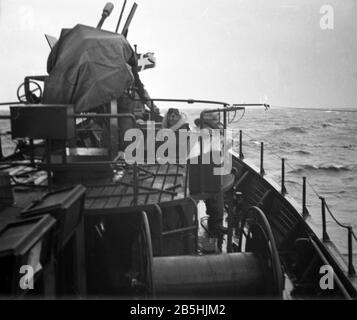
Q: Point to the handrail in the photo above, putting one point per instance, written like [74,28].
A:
[325,237]
[220,110]
[10,103]
[189,101]
[192,101]
[89,115]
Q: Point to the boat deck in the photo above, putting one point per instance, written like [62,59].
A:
[155,184]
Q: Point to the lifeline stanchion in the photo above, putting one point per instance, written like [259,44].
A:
[262,172]
[305,212]
[325,236]
[283,189]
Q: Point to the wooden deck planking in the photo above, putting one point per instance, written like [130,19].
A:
[109,191]
[146,183]
[156,170]
[142,199]
[127,179]
[155,198]
[166,182]
[181,180]
[88,202]
[177,180]
[116,197]
[92,191]
[100,203]
[122,195]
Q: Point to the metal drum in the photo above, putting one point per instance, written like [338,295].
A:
[255,271]
[223,275]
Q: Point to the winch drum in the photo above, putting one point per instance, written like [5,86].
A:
[255,273]
[221,275]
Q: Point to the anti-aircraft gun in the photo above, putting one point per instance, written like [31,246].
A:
[92,81]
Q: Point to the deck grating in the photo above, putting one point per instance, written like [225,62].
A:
[113,196]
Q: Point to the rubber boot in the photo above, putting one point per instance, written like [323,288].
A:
[214,208]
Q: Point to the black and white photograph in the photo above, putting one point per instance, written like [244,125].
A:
[178,155]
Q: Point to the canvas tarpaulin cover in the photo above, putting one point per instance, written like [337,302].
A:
[88,67]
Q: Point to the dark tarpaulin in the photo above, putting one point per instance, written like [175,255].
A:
[88,67]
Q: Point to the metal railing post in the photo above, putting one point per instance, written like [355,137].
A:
[186,180]
[305,212]
[152,113]
[1,154]
[351,269]
[241,155]
[225,119]
[48,163]
[325,236]
[283,189]
[230,227]
[262,172]
[135,183]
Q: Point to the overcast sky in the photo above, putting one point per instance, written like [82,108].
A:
[227,50]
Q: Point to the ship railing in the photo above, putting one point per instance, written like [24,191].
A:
[151,103]
[49,166]
[351,235]
[81,116]
[226,107]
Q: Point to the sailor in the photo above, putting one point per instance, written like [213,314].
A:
[209,121]
[175,120]
[215,203]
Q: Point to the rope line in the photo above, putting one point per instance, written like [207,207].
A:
[334,218]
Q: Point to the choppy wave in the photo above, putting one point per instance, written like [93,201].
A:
[332,111]
[293,129]
[302,152]
[323,167]
[350,146]
[292,182]
[326,125]
[349,179]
